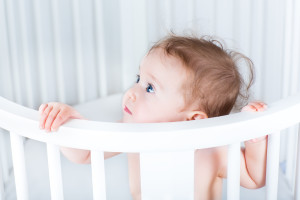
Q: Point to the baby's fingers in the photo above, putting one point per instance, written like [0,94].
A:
[42,108]
[44,115]
[59,120]
[249,108]
[51,117]
[255,106]
[260,106]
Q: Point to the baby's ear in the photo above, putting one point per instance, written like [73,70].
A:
[195,115]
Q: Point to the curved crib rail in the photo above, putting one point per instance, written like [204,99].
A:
[145,138]
[126,137]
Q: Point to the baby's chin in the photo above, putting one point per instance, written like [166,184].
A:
[132,120]
[127,120]
[124,120]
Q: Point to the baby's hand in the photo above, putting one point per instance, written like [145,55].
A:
[52,115]
[256,106]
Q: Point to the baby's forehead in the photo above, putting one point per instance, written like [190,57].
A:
[168,70]
[159,57]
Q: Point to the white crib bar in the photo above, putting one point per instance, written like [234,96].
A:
[233,171]
[1,182]
[127,45]
[295,49]
[297,180]
[272,166]
[55,177]
[291,155]
[98,175]
[168,14]
[288,43]
[15,63]
[58,51]
[4,161]
[167,175]
[25,53]
[100,48]
[17,149]
[78,48]
[40,54]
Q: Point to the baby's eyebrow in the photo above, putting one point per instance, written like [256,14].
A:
[156,80]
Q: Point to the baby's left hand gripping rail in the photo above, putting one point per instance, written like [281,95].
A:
[120,137]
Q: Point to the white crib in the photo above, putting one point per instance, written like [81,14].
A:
[161,145]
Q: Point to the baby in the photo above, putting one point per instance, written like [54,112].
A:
[180,79]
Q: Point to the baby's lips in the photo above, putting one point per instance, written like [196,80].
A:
[127,110]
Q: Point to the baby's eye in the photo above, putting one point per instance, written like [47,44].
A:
[137,78]
[149,88]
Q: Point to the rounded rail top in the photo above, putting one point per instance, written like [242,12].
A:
[129,137]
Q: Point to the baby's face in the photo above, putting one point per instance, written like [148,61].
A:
[157,95]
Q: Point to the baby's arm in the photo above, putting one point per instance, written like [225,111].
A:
[253,159]
[53,115]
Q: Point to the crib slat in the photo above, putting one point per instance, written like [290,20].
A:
[295,49]
[5,162]
[15,65]
[257,48]
[127,45]
[291,153]
[297,181]
[78,48]
[5,62]
[288,43]
[17,150]
[55,177]
[272,166]
[167,175]
[25,53]
[3,166]
[233,171]
[57,51]
[98,175]
[40,54]
[167,6]
[100,48]
[1,183]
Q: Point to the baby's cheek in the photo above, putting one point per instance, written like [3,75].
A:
[142,116]
[145,116]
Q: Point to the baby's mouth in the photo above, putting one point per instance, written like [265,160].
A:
[127,110]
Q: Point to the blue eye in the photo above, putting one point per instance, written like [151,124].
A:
[137,78]
[149,88]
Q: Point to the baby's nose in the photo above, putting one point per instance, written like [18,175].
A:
[132,96]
